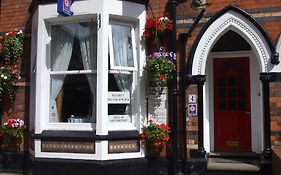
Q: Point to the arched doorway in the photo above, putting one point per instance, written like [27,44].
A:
[232,87]
[204,57]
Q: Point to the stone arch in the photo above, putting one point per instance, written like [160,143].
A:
[231,18]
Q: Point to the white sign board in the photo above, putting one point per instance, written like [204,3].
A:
[192,98]
[118,98]
[119,118]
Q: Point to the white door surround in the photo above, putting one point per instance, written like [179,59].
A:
[255,100]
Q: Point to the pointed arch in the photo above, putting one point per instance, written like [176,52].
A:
[231,18]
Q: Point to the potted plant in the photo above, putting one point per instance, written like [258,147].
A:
[159,68]
[155,136]
[11,134]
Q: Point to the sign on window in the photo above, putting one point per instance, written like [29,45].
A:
[119,118]
[118,98]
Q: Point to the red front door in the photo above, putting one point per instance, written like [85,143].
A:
[232,104]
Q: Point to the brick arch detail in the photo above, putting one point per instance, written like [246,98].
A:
[236,22]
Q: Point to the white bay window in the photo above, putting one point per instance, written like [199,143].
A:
[87,75]
[88,67]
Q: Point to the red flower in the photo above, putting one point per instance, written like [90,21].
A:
[166,138]
[162,76]
[11,123]
[160,24]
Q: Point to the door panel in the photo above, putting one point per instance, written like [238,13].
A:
[232,113]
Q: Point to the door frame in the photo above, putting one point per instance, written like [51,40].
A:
[255,100]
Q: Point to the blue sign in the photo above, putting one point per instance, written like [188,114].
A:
[64,7]
[192,109]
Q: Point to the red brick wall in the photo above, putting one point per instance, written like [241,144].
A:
[13,14]
[275,105]
[264,12]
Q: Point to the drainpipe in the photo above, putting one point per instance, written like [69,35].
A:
[173,92]
[183,38]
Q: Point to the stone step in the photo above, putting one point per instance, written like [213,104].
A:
[230,165]
[233,154]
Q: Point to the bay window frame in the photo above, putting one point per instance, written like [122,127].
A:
[43,73]
[48,26]
[111,50]
[125,71]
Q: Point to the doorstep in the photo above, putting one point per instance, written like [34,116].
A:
[233,161]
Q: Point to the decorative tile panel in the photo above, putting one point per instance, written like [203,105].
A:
[123,146]
[68,147]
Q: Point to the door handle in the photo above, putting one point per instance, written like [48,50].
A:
[248,112]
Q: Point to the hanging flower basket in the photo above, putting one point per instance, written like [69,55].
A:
[11,51]
[155,136]
[159,68]
[156,28]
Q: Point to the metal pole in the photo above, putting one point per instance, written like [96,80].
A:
[173,97]
[183,37]
[266,154]
[200,83]
[183,40]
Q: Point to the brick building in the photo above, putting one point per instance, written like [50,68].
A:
[72,73]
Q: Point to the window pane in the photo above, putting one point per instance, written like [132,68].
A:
[222,105]
[221,93]
[242,105]
[221,82]
[231,82]
[232,105]
[74,46]
[119,109]
[120,82]
[73,98]
[241,82]
[122,46]
[241,93]
[231,92]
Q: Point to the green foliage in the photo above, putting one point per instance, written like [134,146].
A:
[12,46]
[11,132]
[11,52]
[159,68]
[155,136]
